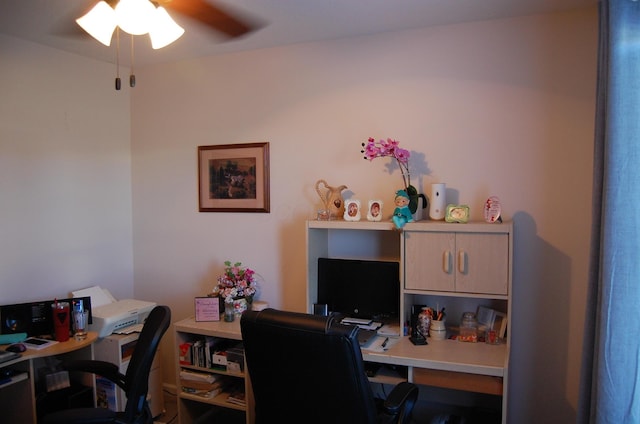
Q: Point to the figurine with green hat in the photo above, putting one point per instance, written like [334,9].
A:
[401,214]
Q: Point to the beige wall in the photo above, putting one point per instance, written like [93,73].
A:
[498,107]
[65,175]
[491,108]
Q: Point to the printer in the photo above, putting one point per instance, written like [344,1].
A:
[119,314]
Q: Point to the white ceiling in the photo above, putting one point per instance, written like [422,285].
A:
[51,22]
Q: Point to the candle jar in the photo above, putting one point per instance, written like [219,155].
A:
[468,328]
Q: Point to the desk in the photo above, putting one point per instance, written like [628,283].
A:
[18,397]
[476,367]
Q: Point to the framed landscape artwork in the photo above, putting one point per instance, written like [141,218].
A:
[233,178]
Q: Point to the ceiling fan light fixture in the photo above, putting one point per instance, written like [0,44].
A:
[99,22]
[135,16]
[164,29]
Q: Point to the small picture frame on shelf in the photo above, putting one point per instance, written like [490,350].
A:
[207,309]
[485,316]
[374,211]
[457,213]
[352,210]
[500,324]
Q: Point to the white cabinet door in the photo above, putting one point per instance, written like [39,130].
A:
[457,262]
[429,261]
[482,263]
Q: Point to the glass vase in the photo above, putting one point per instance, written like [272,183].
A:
[229,313]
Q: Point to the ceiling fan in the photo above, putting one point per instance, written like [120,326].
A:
[139,17]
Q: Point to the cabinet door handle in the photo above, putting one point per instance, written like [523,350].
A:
[462,262]
[446,262]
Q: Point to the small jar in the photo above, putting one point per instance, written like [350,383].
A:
[468,328]
[424,321]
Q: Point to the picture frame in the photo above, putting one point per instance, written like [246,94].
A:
[233,178]
[457,213]
[207,309]
[485,316]
[374,210]
[500,324]
[352,210]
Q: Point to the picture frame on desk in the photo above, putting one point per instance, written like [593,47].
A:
[500,324]
[233,178]
[207,309]
[486,316]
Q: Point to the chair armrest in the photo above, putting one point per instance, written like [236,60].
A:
[105,369]
[402,397]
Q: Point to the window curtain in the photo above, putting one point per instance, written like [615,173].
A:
[610,385]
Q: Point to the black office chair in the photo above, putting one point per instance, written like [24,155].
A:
[135,383]
[309,369]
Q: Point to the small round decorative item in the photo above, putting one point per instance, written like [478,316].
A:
[352,210]
[374,213]
[492,210]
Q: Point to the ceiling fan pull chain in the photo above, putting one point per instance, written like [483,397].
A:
[118,82]
[132,77]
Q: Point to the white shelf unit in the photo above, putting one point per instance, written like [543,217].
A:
[194,408]
[452,265]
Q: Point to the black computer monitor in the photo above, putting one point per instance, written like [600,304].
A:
[360,288]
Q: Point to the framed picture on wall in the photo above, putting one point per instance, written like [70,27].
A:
[233,178]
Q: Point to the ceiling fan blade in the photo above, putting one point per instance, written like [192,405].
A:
[208,14]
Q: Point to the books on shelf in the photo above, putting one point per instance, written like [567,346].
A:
[237,395]
[207,394]
[200,383]
[197,376]
[206,352]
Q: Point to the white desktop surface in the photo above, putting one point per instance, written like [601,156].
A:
[446,355]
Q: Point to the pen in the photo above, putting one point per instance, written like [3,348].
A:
[384,343]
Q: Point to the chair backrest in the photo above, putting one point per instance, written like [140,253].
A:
[137,377]
[305,368]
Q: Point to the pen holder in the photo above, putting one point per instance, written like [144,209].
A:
[438,331]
